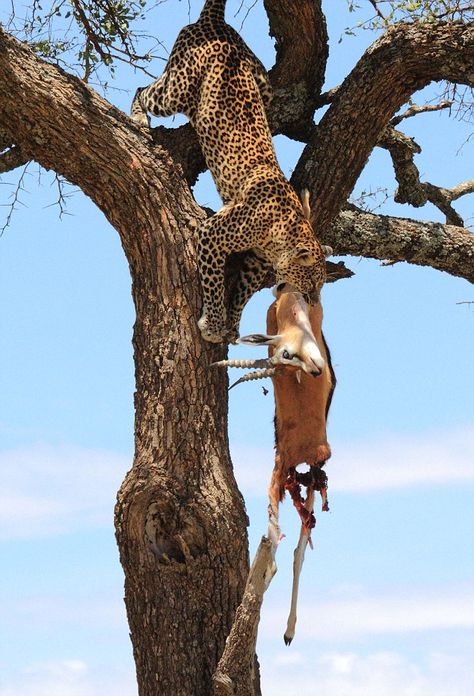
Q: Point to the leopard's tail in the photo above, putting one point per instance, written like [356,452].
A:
[214,10]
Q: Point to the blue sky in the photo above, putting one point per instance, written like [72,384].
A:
[386,600]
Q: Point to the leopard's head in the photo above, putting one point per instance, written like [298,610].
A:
[304,264]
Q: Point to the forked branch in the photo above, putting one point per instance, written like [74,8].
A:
[405,59]
[410,189]
[235,673]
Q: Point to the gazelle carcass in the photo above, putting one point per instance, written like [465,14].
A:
[303,381]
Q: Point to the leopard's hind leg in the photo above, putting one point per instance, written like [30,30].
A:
[253,272]
[174,91]
[219,236]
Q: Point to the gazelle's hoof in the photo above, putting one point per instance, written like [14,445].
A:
[288,638]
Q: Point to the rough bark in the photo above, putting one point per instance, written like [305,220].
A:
[405,59]
[180,521]
[444,247]
[236,671]
[301,55]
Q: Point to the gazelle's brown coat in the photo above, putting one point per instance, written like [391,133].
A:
[301,403]
[304,381]
[301,406]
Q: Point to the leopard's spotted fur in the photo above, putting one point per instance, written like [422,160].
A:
[217,82]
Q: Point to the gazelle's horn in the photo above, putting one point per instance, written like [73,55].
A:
[269,372]
[262,362]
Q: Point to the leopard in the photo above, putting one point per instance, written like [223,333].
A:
[217,82]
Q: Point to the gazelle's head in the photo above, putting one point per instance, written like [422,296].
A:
[293,346]
[295,343]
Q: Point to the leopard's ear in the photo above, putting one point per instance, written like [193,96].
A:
[305,204]
[304,256]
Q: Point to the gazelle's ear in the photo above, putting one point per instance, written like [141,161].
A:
[259,340]
[327,250]
[305,203]
[276,289]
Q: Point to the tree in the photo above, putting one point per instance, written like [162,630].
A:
[180,519]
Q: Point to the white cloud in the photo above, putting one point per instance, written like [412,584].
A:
[433,458]
[354,674]
[354,617]
[45,614]
[439,458]
[67,678]
[49,490]
[52,490]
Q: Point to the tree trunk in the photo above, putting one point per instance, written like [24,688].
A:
[180,520]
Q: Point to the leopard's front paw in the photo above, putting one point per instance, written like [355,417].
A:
[211,332]
[232,335]
[141,119]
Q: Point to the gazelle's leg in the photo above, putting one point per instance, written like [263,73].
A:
[298,559]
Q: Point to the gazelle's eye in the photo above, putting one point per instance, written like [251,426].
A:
[286,355]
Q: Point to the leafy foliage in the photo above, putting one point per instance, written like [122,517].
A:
[86,35]
[387,12]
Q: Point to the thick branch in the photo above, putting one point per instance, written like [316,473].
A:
[66,126]
[11,159]
[444,247]
[410,189]
[405,59]
[301,55]
[402,149]
[233,676]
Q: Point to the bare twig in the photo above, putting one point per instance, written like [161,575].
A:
[249,9]
[59,182]
[450,11]
[15,199]
[379,13]
[414,109]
